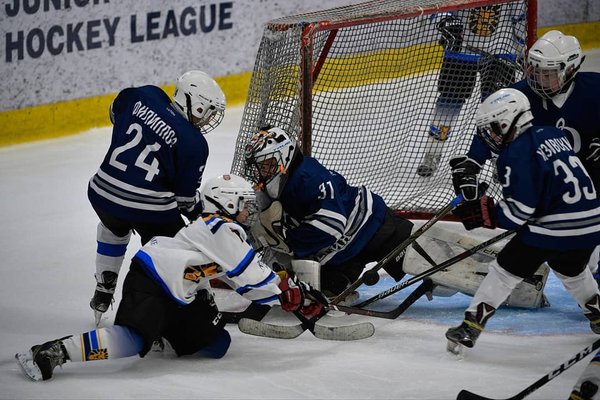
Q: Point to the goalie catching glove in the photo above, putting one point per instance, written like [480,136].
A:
[465,179]
[477,213]
[299,296]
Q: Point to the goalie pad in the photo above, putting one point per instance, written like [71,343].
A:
[466,276]
[308,271]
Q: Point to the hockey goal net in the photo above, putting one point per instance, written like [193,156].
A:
[373,89]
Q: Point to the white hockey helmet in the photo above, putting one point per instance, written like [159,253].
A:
[502,117]
[268,158]
[552,63]
[200,99]
[229,195]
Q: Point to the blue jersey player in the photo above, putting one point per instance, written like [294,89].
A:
[560,97]
[548,198]
[152,170]
[323,218]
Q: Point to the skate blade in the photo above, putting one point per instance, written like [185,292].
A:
[456,349]
[28,366]
[98,318]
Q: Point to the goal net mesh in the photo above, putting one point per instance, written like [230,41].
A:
[374,90]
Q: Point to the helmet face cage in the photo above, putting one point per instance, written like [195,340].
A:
[268,156]
[552,62]
[492,135]
[230,196]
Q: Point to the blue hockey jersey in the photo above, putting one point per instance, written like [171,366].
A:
[579,116]
[326,219]
[154,165]
[547,193]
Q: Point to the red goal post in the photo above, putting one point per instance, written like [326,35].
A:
[362,88]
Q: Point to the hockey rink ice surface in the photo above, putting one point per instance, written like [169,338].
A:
[47,257]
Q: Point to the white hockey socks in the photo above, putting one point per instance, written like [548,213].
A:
[103,343]
[582,287]
[495,287]
[110,251]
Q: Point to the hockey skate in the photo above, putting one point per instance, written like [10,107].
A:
[466,334]
[103,296]
[429,164]
[592,313]
[39,362]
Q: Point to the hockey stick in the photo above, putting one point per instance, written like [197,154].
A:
[466,395]
[343,333]
[253,311]
[399,250]
[431,271]
[426,286]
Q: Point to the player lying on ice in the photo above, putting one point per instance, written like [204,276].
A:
[548,198]
[166,293]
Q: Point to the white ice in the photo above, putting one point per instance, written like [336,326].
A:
[47,251]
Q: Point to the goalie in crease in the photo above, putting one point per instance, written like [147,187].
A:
[167,294]
[548,199]
[312,213]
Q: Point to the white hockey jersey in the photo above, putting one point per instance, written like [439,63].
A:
[208,248]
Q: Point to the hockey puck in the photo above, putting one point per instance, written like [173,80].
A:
[371,278]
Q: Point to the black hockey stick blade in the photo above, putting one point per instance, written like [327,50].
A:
[253,311]
[423,288]
[466,395]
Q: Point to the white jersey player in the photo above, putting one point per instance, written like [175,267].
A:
[167,293]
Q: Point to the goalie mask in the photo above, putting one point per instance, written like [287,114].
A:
[230,196]
[269,156]
[200,99]
[502,117]
[552,63]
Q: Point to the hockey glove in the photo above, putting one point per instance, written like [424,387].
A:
[465,179]
[451,29]
[594,150]
[292,293]
[476,213]
[300,296]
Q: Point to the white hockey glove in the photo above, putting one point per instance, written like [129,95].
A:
[465,178]
[594,150]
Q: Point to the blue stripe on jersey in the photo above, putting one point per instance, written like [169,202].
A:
[86,344]
[94,340]
[241,267]
[111,250]
[215,227]
[146,261]
[247,288]
[266,300]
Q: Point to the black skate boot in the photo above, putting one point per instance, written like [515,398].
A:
[468,331]
[103,296]
[39,363]
[592,312]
